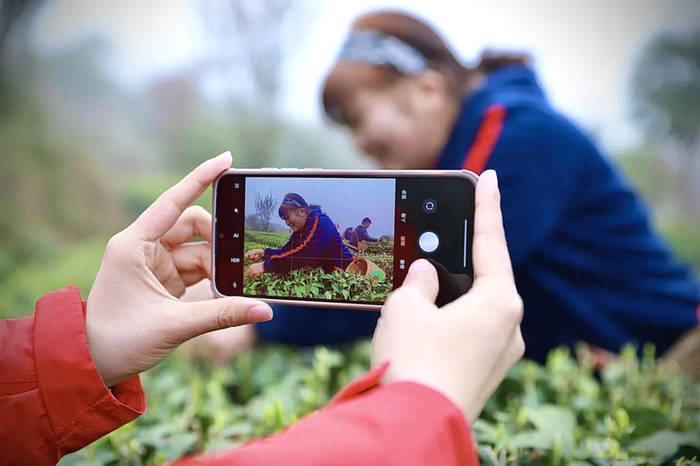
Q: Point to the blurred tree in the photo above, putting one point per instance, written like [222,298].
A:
[666,87]
[12,13]
[51,191]
[251,42]
[264,206]
[666,102]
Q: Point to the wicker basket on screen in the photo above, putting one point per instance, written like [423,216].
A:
[364,266]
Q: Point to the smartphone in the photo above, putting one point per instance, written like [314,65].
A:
[339,238]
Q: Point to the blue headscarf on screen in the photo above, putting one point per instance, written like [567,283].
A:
[292,200]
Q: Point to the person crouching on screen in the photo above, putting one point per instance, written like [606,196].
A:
[347,234]
[360,233]
[315,242]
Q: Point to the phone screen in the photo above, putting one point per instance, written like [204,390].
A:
[335,239]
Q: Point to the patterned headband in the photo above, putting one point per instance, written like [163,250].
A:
[292,202]
[372,47]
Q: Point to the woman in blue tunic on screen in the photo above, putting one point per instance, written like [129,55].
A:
[315,242]
[588,263]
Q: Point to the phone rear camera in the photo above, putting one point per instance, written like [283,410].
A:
[429,206]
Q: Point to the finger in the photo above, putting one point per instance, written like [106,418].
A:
[173,282]
[160,216]
[421,279]
[195,221]
[491,258]
[192,261]
[199,317]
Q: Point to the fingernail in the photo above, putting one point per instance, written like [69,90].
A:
[223,155]
[421,265]
[490,179]
[259,314]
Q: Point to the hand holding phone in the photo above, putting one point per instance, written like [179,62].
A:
[134,318]
[465,348]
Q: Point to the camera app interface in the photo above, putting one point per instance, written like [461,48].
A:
[318,238]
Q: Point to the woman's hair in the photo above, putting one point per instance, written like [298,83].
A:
[294,201]
[422,38]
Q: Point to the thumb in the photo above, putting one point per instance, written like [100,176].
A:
[422,277]
[198,317]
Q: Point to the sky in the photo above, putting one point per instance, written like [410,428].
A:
[346,201]
[583,50]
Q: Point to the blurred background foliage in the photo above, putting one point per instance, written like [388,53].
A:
[81,155]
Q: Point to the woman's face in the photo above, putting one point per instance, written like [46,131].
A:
[401,126]
[296,219]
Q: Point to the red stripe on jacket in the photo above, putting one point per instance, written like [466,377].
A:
[302,245]
[485,140]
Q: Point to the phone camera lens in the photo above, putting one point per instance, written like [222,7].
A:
[429,206]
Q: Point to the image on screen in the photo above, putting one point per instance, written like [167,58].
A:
[319,238]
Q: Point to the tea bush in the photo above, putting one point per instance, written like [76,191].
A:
[634,412]
[564,412]
[315,282]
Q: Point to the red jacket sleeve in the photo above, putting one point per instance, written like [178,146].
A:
[402,423]
[52,399]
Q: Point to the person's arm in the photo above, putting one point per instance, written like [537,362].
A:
[52,398]
[536,155]
[364,236]
[366,423]
[276,251]
[308,252]
[369,238]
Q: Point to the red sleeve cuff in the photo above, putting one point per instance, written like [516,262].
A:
[425,404]
[365,382]
[399,423]
[80,407]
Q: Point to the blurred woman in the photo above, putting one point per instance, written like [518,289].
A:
[588,264]
[315,241]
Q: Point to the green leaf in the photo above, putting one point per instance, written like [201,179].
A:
[177,445]
[665,443]
[552,424]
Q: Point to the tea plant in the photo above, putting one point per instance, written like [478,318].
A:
[315,282]
[633,412]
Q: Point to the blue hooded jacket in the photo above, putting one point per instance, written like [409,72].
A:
[360,234]
[319,245]
[587,262]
